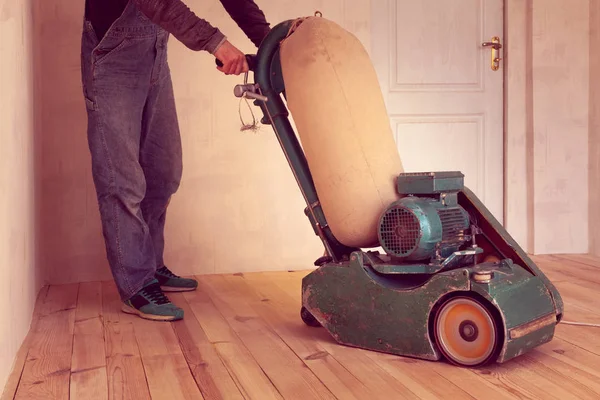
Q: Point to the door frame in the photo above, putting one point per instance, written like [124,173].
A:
[517,89]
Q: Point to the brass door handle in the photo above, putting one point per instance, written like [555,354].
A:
[496,46]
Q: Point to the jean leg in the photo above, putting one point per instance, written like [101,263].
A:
[115,107]
[120,186]
[161,159]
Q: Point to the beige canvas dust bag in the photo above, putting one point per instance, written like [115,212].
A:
[336,103]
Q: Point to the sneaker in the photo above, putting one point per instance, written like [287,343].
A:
[151,303]
[169,282]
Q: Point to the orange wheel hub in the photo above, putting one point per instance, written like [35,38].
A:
[466,332]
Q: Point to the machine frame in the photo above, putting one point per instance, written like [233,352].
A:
[370,300]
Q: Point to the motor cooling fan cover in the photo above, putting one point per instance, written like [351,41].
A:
[399,231]
[412,227]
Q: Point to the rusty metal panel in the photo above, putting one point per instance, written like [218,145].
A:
[502,240]
[388,313]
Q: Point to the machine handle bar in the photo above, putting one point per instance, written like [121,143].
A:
[250,59]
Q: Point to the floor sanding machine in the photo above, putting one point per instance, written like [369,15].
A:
[450,283]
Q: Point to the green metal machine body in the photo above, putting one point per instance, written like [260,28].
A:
[451,282]
[390,302]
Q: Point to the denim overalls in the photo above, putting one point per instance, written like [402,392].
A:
[134,142]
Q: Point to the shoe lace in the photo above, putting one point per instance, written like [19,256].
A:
[155,294]
[166,271]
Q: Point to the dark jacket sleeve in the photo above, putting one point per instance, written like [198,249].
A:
[249,17]
[198,34]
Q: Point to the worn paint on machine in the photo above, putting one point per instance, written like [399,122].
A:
[445,246]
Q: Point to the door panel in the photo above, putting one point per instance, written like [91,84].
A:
[438,45]
[444,100]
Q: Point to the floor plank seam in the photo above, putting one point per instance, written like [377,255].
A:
[347,370]
[104,328]
[270,380]
[257,298]
[482,374]
[202,392]
[73,338]
[119,324]
[21,369]
[565,259]
[35,320]
[270,327]
[505,383]
[144,366]
[454,384]
[377,359]
[234,379]
[566,339]
[103,324]
[237,335]
[258,303]
[564,377]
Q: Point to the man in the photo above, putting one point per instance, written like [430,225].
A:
[133,133]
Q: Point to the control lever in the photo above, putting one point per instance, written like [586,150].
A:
[247,90]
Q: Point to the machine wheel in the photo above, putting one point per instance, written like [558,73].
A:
[308,318]
[466,332]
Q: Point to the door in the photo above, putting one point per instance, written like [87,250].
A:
[444,98]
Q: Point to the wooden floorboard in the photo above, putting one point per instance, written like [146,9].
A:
[12,385]
[209,370]
[242,338]
[246,372]
[124,368]
[88,362]
[47,368]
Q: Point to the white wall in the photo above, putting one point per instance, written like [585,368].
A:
[548,81]
[18,276]
[560,45]
[238,208]
[594,152]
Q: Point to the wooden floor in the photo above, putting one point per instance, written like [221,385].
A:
[242,338]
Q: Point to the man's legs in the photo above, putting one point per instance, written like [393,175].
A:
[114,126]
[116,80]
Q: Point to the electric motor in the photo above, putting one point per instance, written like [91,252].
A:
[415,228]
